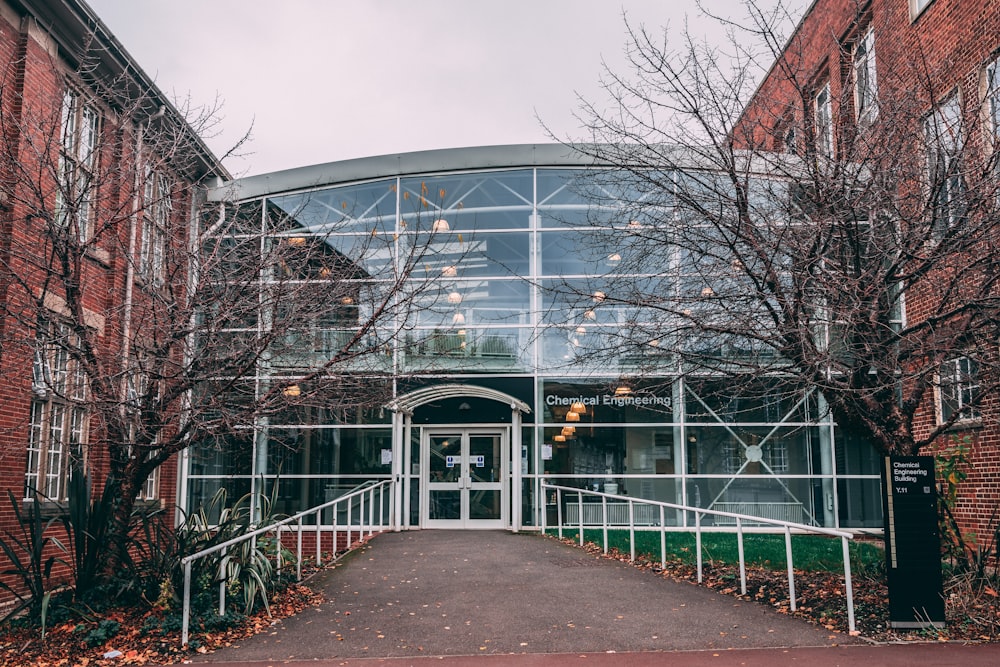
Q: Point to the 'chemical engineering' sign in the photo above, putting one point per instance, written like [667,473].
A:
[611,400]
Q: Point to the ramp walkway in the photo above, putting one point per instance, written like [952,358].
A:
[464,593]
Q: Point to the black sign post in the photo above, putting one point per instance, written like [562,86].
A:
[912,542]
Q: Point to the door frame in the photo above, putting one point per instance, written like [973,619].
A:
[464,431]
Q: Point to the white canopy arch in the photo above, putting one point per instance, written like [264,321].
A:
[407,403]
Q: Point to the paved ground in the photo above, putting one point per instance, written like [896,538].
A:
[517,599]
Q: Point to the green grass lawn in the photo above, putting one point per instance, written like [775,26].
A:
[809,552]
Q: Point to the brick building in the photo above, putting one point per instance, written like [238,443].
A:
[99,182]
[913,78]
[102,178]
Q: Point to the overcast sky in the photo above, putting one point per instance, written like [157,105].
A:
[321,81]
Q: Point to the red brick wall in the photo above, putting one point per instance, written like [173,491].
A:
[33,80]
[918,63]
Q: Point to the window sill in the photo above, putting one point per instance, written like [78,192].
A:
[966,425]
[99,255]
[51,509]
[47,509]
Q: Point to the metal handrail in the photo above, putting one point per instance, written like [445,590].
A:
[699,512]
[368,489]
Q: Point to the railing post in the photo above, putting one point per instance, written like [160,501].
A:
[604,521]
[631,529]
[298,552]
[319,537]
[381,508]
[848,586]
[559,518]
[336,520]
[791,568]
[371,513]
[223,564]
[361,517]
[186,604]
[277,549]
[579,502]
[663,538]
[543,522]
[697,543]
[743,565]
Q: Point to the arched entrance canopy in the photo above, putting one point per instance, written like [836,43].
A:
[508,439]
[407,403]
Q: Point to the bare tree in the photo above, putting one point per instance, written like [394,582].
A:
[845,245]
[138,321]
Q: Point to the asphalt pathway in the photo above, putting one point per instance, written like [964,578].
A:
[475,593]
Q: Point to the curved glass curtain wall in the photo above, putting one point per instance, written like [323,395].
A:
[513,273]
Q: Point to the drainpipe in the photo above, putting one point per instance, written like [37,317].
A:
[132,240]
[133,230]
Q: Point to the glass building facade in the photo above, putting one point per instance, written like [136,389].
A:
[501,365]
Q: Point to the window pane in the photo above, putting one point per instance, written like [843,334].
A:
[498,200]
[468,254]
[357,208]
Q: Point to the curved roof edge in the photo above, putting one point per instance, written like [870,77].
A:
[414,399]
[404,164]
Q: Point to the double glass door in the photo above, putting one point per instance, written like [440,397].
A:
[464,478]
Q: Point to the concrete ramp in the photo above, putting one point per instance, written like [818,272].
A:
[439,593]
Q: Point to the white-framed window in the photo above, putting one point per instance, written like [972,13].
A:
[57,432]
[157,211]
[137,386]
[992,99]
[917,7]
[823,117]
[734,457]
[151,488]
[865,80]
[957,389]
[944,139]
[78,151]
[776,455]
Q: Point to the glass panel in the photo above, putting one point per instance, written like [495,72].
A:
[468,350]
[445,504]
[469,254]
[756,450]
[491,200]
[202,491]
[484,504]
[578,301]
[463,302]
[571,216]
[356,208]
[328,451]
[302,254]
[445,458]
[464,342]
[368,413]
[860,503]
[561,187]
[766,497]
[576,253]
[609,300]
[598,453]
[856,456]
[484,458]
[747,400]
[229,455]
